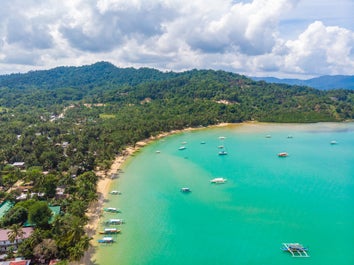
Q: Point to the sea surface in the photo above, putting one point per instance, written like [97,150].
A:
[306,197]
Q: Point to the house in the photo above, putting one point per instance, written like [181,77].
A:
[5,243]
[19,164]
[16,262]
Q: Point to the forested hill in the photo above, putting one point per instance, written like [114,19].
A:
[98,74]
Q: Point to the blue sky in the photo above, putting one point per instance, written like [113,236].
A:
[282,38]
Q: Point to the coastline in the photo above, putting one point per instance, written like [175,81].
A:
[104,183]
[103,186]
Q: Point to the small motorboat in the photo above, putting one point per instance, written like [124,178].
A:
[185,190]
[111,210]
[110,231]
[218,180]
[106,240]
[283,154]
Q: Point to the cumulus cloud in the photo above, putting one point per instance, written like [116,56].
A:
[245,36]
[319,49]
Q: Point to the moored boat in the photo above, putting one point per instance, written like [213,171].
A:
[222,153]
[295,249]
[111,210]
[185,190]
[283,154]
[114,221]
[106,240]
[115,192]
[182,148]
[110,231]
[218,180]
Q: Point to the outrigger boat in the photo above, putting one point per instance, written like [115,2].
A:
[110,231]
[115,192]
[218,180]
[106,240]
[283,154]
[296,250]
[114,222]
[111,210]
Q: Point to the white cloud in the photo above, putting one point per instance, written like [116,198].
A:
[249,37]
[320,49]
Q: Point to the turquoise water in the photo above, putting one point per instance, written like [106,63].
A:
[307,197]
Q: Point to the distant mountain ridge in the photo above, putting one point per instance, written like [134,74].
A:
[325,82]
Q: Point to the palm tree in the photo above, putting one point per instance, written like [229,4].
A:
[15,232]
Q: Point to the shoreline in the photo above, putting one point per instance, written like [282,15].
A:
[103,186]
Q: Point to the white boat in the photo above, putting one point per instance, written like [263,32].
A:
[283,154]
[334,142]
[222,153]
[185,189]
[115,192]
[111,210]
[110,231]
[106,240]
[218,180]
[114,221]
[182,148]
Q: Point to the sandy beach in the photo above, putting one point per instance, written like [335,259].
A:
[103,187]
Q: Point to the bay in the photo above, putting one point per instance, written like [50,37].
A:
[306,197]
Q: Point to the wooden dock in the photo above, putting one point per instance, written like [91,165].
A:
[296,250]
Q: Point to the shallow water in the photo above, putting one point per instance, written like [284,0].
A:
[306,197]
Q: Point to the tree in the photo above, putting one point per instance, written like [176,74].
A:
[17,215]
[15,232]
[39,214]
[45,250]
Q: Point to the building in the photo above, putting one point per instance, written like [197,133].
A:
[5,243]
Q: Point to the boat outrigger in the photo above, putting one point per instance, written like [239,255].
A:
[110,231]
[297,250]
[283,154]
[111,210]
[115,192]
[106,240]
[114,222]
[185,190]
[218,180]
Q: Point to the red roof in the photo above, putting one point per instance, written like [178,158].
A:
[19,262]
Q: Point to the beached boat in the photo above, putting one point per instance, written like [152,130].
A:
[222,153]
[185,189]
[111,210]
[283,154]
[106,240]
[114,222]
[297,250]
[218,180]
[110,231]
[115,192]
